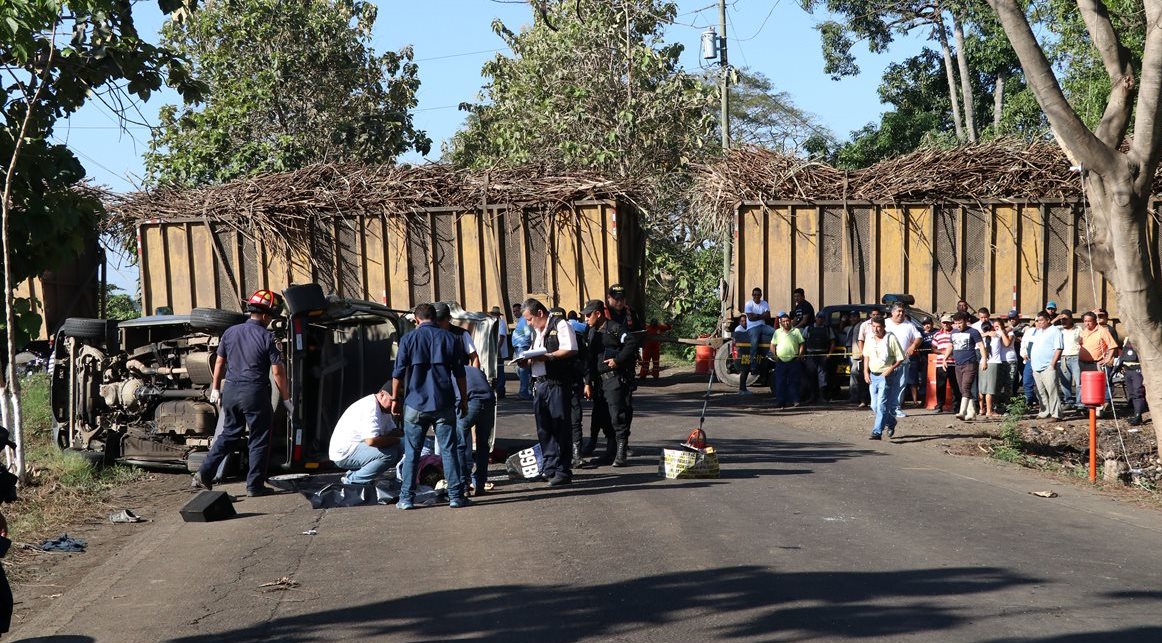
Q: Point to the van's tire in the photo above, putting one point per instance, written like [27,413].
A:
[83,328]
[214,320]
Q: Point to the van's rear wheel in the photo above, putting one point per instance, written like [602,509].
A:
[214,320]
[83,328]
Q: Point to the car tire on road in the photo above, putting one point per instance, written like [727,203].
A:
[214,320]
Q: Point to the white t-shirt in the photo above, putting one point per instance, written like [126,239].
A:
[905,332]
[757,309]
[501,335]
[566,339]
[998,352]
[362,420]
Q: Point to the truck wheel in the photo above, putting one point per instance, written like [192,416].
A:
[83,328]
[726,368]
[214,320]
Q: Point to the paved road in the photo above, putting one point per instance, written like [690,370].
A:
[812,533]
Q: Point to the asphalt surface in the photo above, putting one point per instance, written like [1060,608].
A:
[811,533]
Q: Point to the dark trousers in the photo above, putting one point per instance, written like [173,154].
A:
[612,410]
[243,406]
[1014,383]
[786,381]
[815,370]
[575,411]
[1135,391]
[966,378]
[552,408]
[1029,384]
[946,375]
[500,379]
[857,388]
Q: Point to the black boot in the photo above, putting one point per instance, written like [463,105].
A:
[591,446]
[1136,420]
[577,454]
[622,447]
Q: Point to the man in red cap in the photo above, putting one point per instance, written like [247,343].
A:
[247,357]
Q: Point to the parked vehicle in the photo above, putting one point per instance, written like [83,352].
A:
[136,392]
[726,367]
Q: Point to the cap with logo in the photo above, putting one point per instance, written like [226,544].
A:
[592,306]
[617,291]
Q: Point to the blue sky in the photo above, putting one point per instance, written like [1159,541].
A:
[453,38]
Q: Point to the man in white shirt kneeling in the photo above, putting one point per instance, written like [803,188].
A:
[366,440]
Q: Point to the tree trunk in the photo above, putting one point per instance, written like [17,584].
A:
[998,101]
[942,36]
[965,80]
[1121,253]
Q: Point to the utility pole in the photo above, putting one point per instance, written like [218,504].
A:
[724,125]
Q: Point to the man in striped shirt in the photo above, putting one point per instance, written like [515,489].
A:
[945,372]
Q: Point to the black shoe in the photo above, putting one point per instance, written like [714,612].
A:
[259,492]
[1136,420]
[559,480]
[197,482]
[891,432]
[874,436]
[576,455]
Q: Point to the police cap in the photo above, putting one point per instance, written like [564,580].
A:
[442,311]
[592,306]
[617,291]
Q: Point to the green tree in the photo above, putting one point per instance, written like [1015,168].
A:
[120,305]
[592,85]
[762,115]
[291,82]
[54,57]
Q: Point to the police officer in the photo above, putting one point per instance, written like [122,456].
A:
[577,418]
[1131,366]
[616,309]
[555,374]
[612,353]
[247,357]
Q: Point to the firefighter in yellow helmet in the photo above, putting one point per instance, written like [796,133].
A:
[247,357]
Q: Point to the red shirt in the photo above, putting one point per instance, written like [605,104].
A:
[940,341]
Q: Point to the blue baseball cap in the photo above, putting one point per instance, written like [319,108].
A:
[782,313]
[1051,304]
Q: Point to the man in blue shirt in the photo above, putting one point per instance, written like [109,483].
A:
[247,357]
[1045,348]
[522,338]
[967,349]
[430,365]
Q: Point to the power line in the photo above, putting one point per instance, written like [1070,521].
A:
[764,24]
[460,55]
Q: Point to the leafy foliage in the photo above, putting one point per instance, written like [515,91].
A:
[277,105]
[119,305]
[600,91]
[762,115]
[54,57]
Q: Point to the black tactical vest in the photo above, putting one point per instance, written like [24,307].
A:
[559,370]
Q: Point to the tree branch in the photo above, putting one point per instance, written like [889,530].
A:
[1080,143]
[1148,122]
[1116,59]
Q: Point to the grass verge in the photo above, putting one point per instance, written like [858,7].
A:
[62,487]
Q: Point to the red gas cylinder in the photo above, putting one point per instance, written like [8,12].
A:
[1093,388]
[703,359]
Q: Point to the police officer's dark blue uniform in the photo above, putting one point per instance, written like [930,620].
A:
[609,378]
[247,356]
[556,374]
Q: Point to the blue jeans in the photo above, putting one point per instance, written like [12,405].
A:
[366,462]
[785,385]
[905,371]
[884,393]
[1069,379]
[415,429]
[1028,383]
[482,415]
[525,375]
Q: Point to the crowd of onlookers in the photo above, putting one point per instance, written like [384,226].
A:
[980,362]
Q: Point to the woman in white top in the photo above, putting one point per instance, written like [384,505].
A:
[999,340]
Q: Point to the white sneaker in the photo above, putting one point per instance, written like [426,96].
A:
[1043,415]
